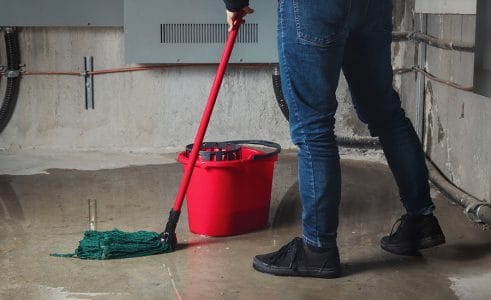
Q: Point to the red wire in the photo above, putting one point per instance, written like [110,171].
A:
[128,69]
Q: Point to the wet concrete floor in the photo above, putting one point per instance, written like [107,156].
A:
[45,213]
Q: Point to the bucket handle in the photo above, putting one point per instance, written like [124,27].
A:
[276,146]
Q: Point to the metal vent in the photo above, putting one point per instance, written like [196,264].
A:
[205,33]
[171,32]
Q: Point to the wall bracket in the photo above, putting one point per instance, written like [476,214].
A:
[89,81]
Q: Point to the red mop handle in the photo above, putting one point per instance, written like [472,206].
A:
[205,118]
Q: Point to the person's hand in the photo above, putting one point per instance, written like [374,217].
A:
[231,16]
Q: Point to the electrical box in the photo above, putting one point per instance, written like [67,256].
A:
[192,31]
[93,13]
[459,7]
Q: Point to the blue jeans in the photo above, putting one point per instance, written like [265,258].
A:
[316,39]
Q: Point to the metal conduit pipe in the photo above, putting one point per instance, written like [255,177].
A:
[7,106]
[475,209]
[398,36]
[420,81]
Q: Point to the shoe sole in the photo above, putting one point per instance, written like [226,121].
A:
[411,249]
[300,272]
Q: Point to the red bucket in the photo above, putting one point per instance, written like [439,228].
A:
[230,190]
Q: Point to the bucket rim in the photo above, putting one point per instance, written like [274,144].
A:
[246,158]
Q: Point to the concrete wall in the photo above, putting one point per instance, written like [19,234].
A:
[458,126]
[153,111]
[144,111]
[404,55]
[457,133]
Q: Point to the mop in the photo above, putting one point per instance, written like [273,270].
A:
[119,244]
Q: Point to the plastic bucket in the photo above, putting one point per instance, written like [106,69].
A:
[230,196]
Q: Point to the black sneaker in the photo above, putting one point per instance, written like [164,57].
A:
[296,259]
[414,233]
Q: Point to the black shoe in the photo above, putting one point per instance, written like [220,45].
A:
[296,259]
[414,233]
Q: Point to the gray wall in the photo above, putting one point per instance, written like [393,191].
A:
[155,111]
[457,133]
[152,111]
[404,55]
[458,123]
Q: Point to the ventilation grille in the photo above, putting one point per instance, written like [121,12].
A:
[205,33]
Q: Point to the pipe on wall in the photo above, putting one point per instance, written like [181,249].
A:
[9,101]
[399,36]
[420,83]
[475,209]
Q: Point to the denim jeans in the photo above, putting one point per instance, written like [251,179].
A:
[316,39]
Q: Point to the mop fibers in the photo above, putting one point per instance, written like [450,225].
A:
[118,244]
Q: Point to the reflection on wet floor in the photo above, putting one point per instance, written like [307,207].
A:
[45,213]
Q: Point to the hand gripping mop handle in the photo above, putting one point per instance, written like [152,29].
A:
[168,236]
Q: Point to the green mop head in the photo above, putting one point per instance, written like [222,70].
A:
[119,244]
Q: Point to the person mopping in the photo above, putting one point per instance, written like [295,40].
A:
[316,40]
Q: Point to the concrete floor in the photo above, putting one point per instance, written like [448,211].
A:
[45,213]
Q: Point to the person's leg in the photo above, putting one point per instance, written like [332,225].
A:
[311,37]
[368,70]
[311,46]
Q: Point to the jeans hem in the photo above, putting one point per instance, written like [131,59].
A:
[310,242]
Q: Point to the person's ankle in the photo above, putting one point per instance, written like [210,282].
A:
[315,249]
